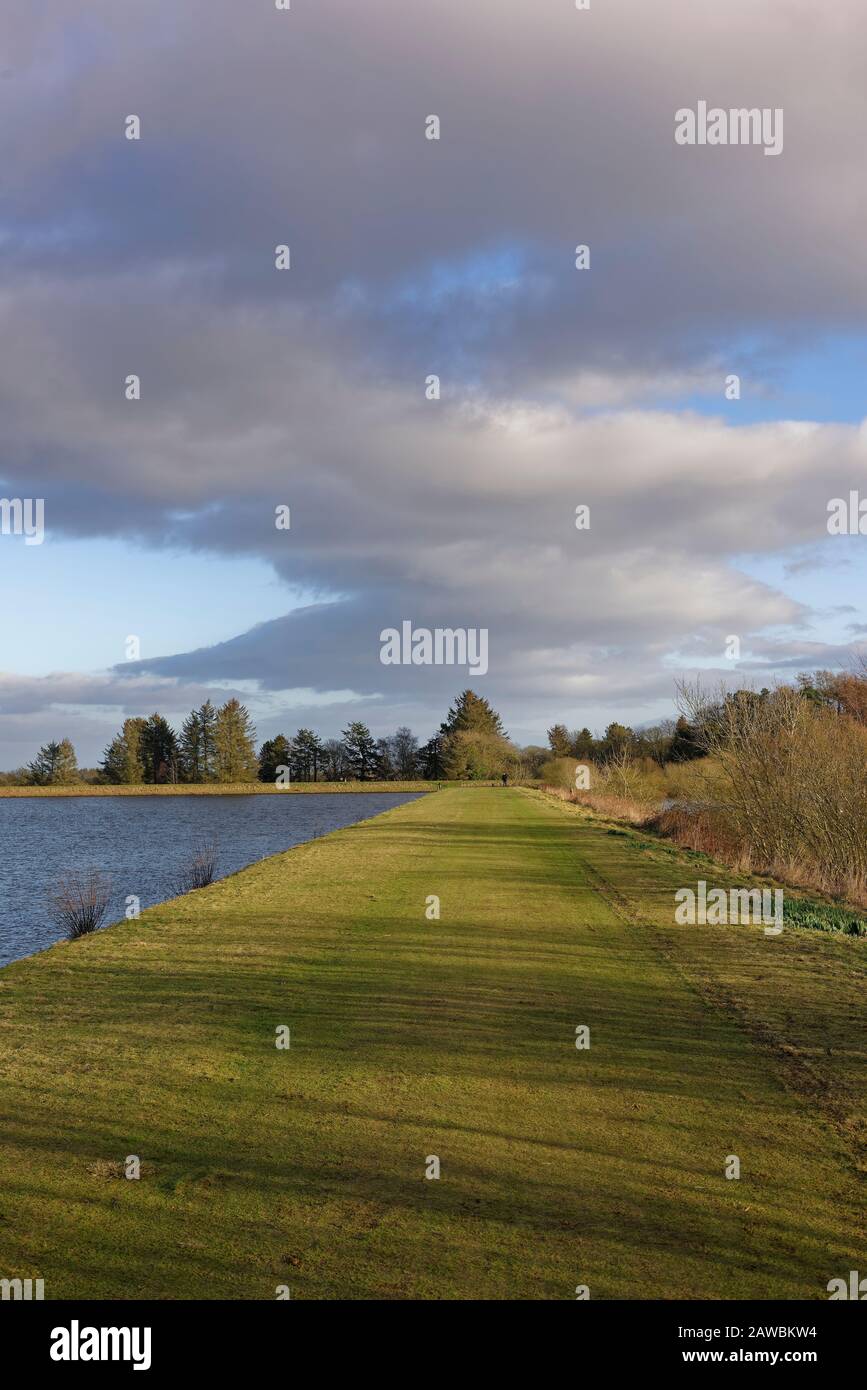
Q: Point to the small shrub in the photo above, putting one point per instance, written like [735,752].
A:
[559,773]
[79,903]
[201,869]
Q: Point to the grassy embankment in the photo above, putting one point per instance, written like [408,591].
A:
[453,1037]
[218,789]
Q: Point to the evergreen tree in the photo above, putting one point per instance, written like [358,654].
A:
[234,744]
[66,764]
[133,764]
[274,754]
[113,761]
[472,740]
[55,765]
[190,748]
[360,747]
[307,754]
[474,756]
[208,737]
[430,759]
[471,713]
[122,760]
[685,744]
[316,755]
[159,750]
[196,749]
[559,741]
[618,738]
[583,744]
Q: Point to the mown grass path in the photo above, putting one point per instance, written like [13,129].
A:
[456,1037]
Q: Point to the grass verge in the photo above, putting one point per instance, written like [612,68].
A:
[221,789]
[452,1037]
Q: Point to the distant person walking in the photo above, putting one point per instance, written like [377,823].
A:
[505,779]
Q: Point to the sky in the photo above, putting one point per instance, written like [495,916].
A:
[560,387]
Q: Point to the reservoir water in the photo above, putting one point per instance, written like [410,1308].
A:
[145,843]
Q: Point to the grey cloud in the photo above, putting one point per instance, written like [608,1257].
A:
[556,128]
[410,258]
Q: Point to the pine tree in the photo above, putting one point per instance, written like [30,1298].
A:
[618,738]
[470,755]
[113,760]
[686,743]
[208,734]
[583,744]
[274,754]
[307,754]
[234,744]
[133,763]
[473,742]
[471,713]
[159,750]
[430,759]
[559,741]
[190,748]
[196,746]
[55,765]
[122,760]
[317,752]
[66,765]
[360,747]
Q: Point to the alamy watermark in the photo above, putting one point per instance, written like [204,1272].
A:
[847,516]
[442,646]
[718,907]
[856,1288]
[737,126]
[26,1290]
[23,516]
[77,1343]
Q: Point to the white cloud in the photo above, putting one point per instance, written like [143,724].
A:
[409,259]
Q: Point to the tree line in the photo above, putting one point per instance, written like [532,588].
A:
[670,741]
[682,740]
[218,744]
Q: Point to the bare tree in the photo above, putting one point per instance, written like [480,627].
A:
[623,775]
[790,784]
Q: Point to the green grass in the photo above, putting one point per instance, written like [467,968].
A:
[806,912]
[218,789]
[453,1037]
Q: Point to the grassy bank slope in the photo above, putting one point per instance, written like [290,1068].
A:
[413,1037]
[218,789]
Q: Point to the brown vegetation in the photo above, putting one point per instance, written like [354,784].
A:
[781,789]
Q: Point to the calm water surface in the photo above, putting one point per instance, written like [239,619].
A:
[145,843]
